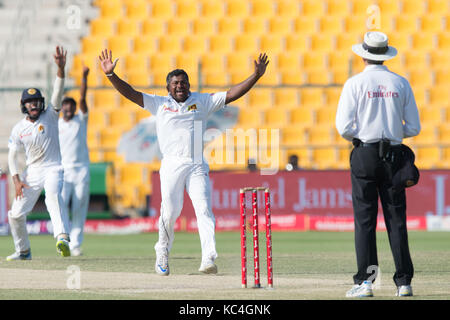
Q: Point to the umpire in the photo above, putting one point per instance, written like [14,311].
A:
[376,111]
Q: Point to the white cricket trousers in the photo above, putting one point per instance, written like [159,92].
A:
[75,193]
[51,180]
[175,177]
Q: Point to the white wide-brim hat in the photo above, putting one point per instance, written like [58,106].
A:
[375,47]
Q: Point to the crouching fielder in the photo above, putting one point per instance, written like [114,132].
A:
[37,134]
[180,123]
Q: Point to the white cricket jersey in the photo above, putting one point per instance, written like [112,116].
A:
[377,104]
[72,141]
[180,126]
[39,139]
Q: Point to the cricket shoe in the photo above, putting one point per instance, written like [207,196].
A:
[76,252]
[162,263]
[404,291]
[208,266]
[19,256]
[362,290]
[63,248]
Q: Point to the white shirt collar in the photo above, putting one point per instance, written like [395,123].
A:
[375,67]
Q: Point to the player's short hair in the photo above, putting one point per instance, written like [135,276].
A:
[374,62]
[69,100]
[175,73]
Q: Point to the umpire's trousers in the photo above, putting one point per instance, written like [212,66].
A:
[371,178]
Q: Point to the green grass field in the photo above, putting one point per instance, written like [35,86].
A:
[307,265]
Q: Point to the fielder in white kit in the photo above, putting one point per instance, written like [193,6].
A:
[75,160]
[181,121]
[37,134]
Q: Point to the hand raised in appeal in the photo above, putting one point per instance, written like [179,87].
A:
[261,64]
[106,61]
[60,57]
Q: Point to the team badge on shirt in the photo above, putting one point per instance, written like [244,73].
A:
[192,107]
[41,128]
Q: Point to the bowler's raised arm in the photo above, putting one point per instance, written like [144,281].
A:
[123,87]
[242,88]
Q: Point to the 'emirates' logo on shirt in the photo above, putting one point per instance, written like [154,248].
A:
[166,108]
[21,136]
[382,92]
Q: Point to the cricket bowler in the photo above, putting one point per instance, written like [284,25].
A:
[180,123]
